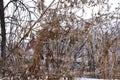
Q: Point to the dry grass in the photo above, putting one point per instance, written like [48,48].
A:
[58,47]
[99,60]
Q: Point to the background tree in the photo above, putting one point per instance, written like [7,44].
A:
[3,31]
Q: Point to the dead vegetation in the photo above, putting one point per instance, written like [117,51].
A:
[66,46]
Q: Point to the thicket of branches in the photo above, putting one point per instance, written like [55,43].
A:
[62,37]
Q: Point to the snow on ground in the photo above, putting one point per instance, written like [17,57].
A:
[82,79]
[77,78]
[87,79]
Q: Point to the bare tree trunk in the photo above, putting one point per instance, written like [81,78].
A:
[3,31]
